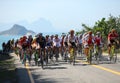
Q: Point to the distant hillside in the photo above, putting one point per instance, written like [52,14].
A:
[17,30]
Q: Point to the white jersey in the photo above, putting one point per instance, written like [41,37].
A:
[48,40]
[56,42]
[66,39]
[71,39]
[80,40]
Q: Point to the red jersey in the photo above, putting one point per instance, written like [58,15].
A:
[90,40]
[112,35]
[98,40]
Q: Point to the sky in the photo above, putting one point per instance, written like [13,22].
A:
[55,15]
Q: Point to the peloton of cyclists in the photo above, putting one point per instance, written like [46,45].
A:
[66,42]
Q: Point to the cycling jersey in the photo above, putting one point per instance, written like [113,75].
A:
[62,41]
[98,40]
[112,37]
[66,41]
[80,40]
[72,40]
[41,41]
[48,42]
[56,42]
[88,40]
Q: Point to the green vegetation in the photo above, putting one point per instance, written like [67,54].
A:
[104,26]
[7,69]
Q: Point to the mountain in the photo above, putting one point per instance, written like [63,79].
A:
[40,25]
[17,30]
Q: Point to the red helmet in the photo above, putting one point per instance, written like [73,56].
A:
[24,37]
[90,32]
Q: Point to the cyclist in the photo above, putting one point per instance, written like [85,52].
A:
[98,39]
[62,49]
[66,41]
[112,37]
[80,43]
[47,47]
[56,46]
[71,41]
[29,41]
[98,42]
[42,43]
[88,42]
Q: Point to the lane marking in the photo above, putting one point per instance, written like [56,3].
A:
[102,68]
[29,73]
[107,69]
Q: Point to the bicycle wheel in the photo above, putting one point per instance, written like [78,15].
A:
[36,58]
[66,56]
[71,56]
[98,54]
[46,57]
[90,57]
[73,59]
[24,60]
[113,57]
[42,60]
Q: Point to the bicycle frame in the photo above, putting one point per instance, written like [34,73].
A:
[72,55]
[98,53]
[41,55]
[90,54]
[113,53]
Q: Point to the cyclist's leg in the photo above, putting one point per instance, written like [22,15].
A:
[109,49]
[86,51]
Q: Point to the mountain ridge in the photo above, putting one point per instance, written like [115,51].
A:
[17,30]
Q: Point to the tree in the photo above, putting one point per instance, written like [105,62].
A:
[104,26]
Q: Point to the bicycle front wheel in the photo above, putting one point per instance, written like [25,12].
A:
[114,58]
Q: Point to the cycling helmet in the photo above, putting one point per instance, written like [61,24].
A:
[72,31]
[113,30]
[39,34]
[47,36]
[90,32]
[56,35]
[30,36]
[98,33]
[24,37]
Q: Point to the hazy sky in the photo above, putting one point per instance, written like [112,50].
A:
[63,15]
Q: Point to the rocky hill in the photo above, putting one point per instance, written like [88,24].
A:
[17,30]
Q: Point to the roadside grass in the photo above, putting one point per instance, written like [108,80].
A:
[7,69]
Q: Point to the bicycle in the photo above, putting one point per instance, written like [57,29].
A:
[72,55]
[25,57]
[36,56]
[41,58]
[80,49]
[66,54]
[113,53]
[90,51]
[98,53]
[56,52]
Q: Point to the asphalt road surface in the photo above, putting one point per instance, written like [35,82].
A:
[64,72]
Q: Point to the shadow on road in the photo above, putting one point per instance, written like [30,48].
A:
[22,75]
[39,79]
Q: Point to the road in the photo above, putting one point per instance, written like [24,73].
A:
[82,72]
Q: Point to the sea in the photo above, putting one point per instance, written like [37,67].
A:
[6,38]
